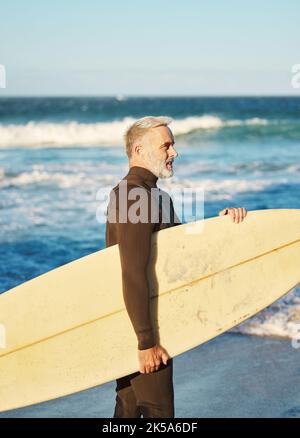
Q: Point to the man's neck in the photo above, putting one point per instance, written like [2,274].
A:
[143,173]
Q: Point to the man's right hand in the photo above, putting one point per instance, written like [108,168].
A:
[150,359]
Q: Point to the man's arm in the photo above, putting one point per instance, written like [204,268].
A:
[134,247]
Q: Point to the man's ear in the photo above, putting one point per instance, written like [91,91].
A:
[138,149]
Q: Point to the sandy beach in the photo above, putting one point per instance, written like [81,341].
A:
[230,376]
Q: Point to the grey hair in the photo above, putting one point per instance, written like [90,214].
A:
[140,127]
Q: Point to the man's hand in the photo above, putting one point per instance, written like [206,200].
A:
[150,359]
[237,214]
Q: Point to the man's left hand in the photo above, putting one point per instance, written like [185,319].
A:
[237,214]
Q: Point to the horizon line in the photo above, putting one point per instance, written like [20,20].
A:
[121,95]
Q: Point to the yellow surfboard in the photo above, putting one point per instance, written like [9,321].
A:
[68,329]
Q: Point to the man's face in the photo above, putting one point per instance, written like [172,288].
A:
[159,152]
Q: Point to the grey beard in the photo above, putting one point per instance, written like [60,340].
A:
[158,168]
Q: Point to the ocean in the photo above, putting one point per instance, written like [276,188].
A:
[56,153]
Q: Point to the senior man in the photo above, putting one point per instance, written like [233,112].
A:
[150,149]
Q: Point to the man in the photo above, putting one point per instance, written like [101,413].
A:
[150,150]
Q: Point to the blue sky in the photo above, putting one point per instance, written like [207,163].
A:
[131,47]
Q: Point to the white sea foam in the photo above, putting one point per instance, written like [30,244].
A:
[45,134]
[219,190]
[281,319]
[84,175]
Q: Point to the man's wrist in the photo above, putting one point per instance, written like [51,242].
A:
[146,340]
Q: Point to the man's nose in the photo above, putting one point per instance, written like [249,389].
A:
[173,152]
